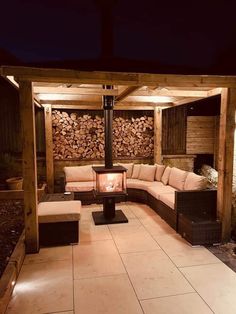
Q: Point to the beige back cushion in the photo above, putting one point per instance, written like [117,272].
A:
[165,176]
[78,173]
[136,170]
[147,172]
[129,168]
[159,172]
[195,182]
[177,178]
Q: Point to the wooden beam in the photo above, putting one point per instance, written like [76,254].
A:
[126,93]
[94,107]
[157,135]
[15,84]
[29,166]
[171,93]
[89,104]
[75,91]
[186,100]
[49,147]
[117,78]
[214,92]
[55,97]
[225,160]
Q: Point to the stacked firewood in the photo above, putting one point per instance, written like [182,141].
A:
[82,137]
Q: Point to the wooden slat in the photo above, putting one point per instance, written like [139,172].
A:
[225,160]
[117,78]
[157,135]
[29,167]
[200,138]
[174,131]
[49,147]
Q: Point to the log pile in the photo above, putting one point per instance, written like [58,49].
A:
[82,137]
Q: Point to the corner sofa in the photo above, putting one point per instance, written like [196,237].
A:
[168,191]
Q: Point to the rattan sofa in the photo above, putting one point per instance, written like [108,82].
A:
[168,191]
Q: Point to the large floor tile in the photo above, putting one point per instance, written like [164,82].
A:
[105,295]
[139,241]
[90,232]
[132,227]
[43,288]
[99,258]
[126,210]
[59,253]
[216,284]
[182,253]
[154,275]
[156,226]
[141,210]
[86,211]
[178,304]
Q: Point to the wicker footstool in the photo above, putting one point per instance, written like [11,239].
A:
[58,222]
[199,229]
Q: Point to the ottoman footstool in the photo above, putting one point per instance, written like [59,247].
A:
[59,222]
[199,229]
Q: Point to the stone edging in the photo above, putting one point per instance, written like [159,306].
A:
[11,272]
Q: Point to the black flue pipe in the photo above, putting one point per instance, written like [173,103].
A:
[108,103]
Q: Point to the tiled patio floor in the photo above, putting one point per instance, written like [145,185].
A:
[139,267]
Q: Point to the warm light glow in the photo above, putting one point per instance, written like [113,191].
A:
[110,182]
[13,283]
[155,99]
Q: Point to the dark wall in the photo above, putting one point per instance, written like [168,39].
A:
[174,123]
[10,130]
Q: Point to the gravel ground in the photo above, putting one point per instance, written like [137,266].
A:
[11,227]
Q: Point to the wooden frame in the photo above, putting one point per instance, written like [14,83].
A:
[214,84]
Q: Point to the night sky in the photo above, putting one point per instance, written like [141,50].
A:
[200,34]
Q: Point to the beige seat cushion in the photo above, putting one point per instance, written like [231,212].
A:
[138,184]
[78,173]
[136,170]
[159,172]
[177,178]
[168,199]
[147,172]
[195,182]
[158,188]
[165,176]
[59,211]
[129,168]
[79,186]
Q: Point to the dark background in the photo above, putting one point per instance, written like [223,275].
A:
[170,36]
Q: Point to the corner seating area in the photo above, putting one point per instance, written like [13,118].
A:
[174,194]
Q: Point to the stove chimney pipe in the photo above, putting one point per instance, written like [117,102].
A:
[108,103]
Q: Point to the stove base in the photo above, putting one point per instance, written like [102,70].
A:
[99,218]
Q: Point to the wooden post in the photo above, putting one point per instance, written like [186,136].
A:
[49,147]
[157,135]
[29,167]
[225,160]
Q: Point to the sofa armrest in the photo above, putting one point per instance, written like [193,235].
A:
[196,201]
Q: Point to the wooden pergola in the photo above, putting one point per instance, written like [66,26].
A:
[72,89]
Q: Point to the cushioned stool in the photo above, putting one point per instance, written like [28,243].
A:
[59,222]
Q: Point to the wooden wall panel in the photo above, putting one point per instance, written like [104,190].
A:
[174,131]
[200,137]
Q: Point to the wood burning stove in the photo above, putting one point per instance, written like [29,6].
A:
[110,181]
